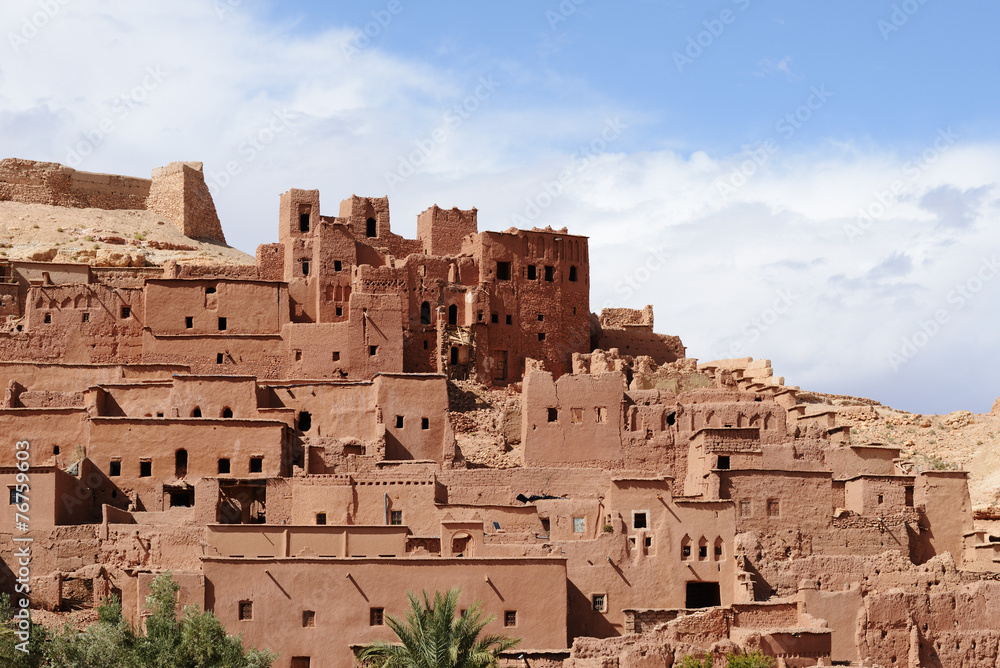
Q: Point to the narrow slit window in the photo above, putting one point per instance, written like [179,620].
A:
[223,324]
[189,322]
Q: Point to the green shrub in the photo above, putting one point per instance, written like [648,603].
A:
[696,661]
[755,659]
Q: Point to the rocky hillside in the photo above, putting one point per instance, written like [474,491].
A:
[119,238]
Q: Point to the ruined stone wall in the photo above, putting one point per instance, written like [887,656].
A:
[441,230]
[55,185]
[178,192]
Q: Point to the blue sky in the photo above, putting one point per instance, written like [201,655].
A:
[813,183]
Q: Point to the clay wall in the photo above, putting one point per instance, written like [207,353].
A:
[375,499]
[53,184]
[549,315]
[415,414]
[855,460]
[947,510]
[768,417]
[878,495]
[78,377]
[785,509]
[501,486]
[356,211]
[54,434]
[211,396]
[205,441]
[247,307]
[572,419]
[332,270]
[48,489]
[269,541]
[533,589]
[442,230]
[178,192]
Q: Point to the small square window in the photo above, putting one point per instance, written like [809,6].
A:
[115,468]
[340,311]
[510,618]
[550,273]
[494,318]
[338,265]
[308,619]
[376,616]
[55,449]
[722,463]
[541,336]
[396,518]
[509,320]
[126,312]
[320,519]
[256,465]
[336,355]
[579,524]
[532,272]
[86,317]
[159,414]
[399,422]
[639,520]
[301,662]
[552,414]
[47,318]
[222,324]
[246,611]
[372,351]
[210,290]
[745,509]
[425,423]
[189,322]
[600,602]
[772,508]
[503,271]
[145,468]
[224,465]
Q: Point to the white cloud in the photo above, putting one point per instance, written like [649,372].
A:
[854,289]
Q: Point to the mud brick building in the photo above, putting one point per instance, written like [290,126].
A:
[287,438]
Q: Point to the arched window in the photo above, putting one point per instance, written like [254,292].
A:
[227,412]
[181,463]
[453,314]
[196,412]
[425,313]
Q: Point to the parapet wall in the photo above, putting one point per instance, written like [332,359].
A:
[177,192]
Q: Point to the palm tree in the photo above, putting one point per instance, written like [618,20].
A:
[432,636]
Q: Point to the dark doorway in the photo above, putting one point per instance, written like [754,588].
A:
[425,313]
[372,228]
[305,421]
[453,315]
[703,595]
[454,355]
[182,498]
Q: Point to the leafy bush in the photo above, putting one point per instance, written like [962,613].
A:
[755,659]
[699,661]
